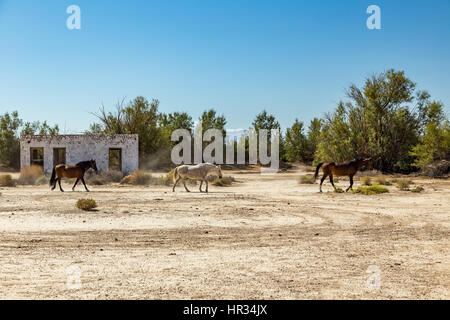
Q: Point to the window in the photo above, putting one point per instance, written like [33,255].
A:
[115,159]
[37,157]
[59,156]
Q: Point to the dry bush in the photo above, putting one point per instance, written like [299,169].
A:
[104,177]
[338,190]
[370,190]
[42,180]
[307,179]
[417,189]
[29,175]
[224,181]
[381,180]
[366,180]
[138,178]
[437,169]
[403,184]
[86,204]
[7,181]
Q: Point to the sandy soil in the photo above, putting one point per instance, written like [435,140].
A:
[265,237]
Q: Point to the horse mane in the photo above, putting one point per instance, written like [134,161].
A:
[83,163]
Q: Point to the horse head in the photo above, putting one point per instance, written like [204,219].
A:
[368,163]
[94,165]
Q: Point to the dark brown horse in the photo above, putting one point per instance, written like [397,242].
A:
[77,171]
[348,168]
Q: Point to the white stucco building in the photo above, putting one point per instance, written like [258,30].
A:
[117,152]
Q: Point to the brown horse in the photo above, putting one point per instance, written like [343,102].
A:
[348,168]
[76,171]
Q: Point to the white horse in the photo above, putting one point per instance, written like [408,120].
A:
[196,172]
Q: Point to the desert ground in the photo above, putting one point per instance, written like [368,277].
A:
[264,237]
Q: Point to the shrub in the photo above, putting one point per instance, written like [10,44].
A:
[138,178]
[86,204]
[437,169]
[417,189]
[366,180]
[338,190]
[381,180]
[41,180]
[223,182]
[370,190]
[307,179]
[403,184]
[104,177]
[7,181]
[29,175]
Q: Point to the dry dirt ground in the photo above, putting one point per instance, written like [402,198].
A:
[265,237]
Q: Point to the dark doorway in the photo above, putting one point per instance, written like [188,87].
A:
[37,157]
[59,156]
[115,159]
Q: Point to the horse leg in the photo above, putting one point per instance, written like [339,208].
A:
[322,180]
[59,182]
[82,180]
[175,184]
[54,185]
[184,183]
[351,184]
[73,188]
[206,181]
[201,183]
[331,180]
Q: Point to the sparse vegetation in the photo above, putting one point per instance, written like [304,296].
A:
[138,177]
[371,190]
[7,181]
[366,181]
[403,184]
[42,180]
[223,182]
[381,180]
[104,177]
[29,175]
[338,190]
[307,179]
[417,189]
[86,204]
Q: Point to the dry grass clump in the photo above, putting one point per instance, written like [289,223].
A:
[338,190]
[86,204]
[29,175]
[366,180]
[381,180]
[224,181]
[138,178]
[167,180]
[403,184]
[42,180]
[370,190]
[104,177]
[7,181]
[306,179]
[417,189]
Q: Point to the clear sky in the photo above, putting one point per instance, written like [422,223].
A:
[293,58]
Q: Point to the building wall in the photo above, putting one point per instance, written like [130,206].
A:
[82,148]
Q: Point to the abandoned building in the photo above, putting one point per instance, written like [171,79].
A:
[115,152]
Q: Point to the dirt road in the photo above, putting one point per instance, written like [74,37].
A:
[265,237]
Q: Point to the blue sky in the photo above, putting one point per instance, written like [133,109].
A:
[292,58]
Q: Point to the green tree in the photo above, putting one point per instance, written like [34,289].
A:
[139,117]
[435,142]
[9,139]
[376,122]
[313,137]
[36,127]
[296,143]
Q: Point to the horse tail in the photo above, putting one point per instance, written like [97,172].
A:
[53,178]
[175,175]
[317,170]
